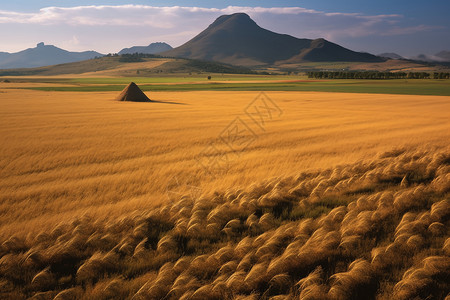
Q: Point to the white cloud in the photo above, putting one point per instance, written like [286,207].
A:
[109,28]
[71,43]
[163,17]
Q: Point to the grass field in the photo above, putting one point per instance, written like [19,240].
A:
[247,83]
[181,79]
[225,194]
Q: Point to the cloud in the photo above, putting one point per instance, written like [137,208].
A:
[71,43]
[128,24]
[160,17]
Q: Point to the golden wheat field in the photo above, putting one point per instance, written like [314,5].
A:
[224,195]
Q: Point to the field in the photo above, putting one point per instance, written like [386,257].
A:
[220,82]
[217,191]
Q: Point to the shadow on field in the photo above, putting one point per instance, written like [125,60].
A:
[168,102]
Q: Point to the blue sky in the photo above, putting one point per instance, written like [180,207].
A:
[406,27]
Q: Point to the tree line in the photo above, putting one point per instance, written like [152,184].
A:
[135,57]
[376,75]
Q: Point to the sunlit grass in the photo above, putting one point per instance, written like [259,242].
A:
[339,197]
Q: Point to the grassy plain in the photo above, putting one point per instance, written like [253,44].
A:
[242,83]
[191,196]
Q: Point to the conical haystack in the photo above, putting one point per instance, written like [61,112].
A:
[132,93]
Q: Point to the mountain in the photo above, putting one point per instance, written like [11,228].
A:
[42,55]
[3,55]
[445,55]
[153,48]
[423,57]
[426,58]
[390,55]
[441,57]
[237,39]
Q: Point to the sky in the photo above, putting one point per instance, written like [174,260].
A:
[405,27]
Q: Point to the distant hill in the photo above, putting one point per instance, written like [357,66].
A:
[445,55]
[441,57]
[120,65]
[423,57]
[3,55]
[149,65]
[237,39]
[153,48]
[391,55]
[42,55]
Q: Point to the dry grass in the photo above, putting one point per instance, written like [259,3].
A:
[127,69]
[342,197]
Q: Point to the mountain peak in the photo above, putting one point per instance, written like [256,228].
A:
[234,20]
[235,17]
[239,15]
[41,44]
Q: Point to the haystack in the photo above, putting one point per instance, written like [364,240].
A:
[132,93]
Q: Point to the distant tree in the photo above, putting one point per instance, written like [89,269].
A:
[371,75]
[209,77]
[443,75]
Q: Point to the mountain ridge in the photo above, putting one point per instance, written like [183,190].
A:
[43,55]
[391,55]
[237,39]
[153,48]
[445,55]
